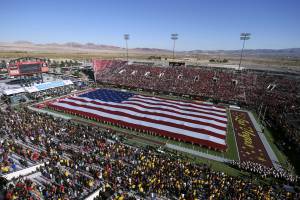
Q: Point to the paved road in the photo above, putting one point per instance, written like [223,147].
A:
[265,142]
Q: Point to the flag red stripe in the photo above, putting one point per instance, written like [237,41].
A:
[208,116]
[152,113]
[186,104]
[174,111]
[177,107]
[148,120]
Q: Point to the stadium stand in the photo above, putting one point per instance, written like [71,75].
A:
[81,159]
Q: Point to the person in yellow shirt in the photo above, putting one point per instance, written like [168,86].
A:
[141,189]
[90,183]
[66,173]
[5,169]
[15,196]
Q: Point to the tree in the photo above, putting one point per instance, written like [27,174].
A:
[54,63]
[225,60]
[77,73]
[3,64]
[62,64]
[66,63]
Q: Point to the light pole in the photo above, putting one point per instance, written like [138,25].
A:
[244,37]
[174,37]
[126,37]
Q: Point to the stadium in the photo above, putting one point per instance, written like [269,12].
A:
[99,104]
[216,117]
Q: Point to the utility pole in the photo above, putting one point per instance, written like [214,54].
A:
[126,38]
[174,37]
[244,37]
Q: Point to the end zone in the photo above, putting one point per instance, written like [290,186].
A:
[250,145]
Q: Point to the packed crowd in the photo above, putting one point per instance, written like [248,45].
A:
[80,159]
[180,80]
[14,156]
[40,95]
[53,92]
[265,171]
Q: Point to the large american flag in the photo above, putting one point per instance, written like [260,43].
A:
[199,123]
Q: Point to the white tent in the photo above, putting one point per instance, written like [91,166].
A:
[13,91]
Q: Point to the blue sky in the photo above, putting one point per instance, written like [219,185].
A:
[201,24]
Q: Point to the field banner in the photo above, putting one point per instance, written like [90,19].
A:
[250,146]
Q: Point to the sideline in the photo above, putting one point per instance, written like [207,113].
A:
[50,113]
[265,142]
[197,153]
[237,148]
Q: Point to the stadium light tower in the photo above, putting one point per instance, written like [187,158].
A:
[174,37]
[126,38]
[244,37]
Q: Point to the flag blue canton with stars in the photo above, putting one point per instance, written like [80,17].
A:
[108,95]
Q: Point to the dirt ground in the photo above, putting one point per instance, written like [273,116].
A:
[249,61]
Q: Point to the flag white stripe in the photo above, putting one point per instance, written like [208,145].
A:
[177,110]
[154,117]
[166,107]
[146,124]
[177,106]
[206,106]
[170,113]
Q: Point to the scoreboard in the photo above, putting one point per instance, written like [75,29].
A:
[176,64]
[30,68]
[27,68]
